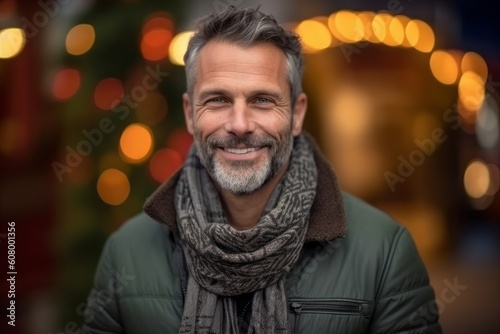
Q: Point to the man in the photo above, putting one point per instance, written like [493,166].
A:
[253,235]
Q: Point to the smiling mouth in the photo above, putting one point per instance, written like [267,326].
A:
[240,150]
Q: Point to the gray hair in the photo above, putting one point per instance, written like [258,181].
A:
[246,27]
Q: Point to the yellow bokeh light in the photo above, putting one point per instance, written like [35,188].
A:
[136,143]
[12,41]
[379,28]
[113,186]
[444,67]
[346,26]
[385,20]
[471,91]
[477,179]
[475,63]
[404,20]
[367,19]
[178,47]
[80,39]
[420,35]
[314,35]
[397,31]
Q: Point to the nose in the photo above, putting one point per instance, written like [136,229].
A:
[239,120]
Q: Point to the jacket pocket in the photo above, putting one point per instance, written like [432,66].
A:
[337,306]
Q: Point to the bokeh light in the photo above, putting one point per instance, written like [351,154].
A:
[66,83]
[180,140]
[477,179]
[314,35]
[346,26]
[396,31]
[108,93]
[472,61]
[157,33]
[471,91]
[155,43]
[367,19]
[379,28]
[488,124]
[404,20]
[12,41]
[158,20]
[80,39]
[164,163]
[152,109]
[386,20]
[444,67]
[420,35]
[136,143]
[113,186]
[178,47]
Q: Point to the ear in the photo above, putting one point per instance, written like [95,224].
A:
[188,112]
[299,112]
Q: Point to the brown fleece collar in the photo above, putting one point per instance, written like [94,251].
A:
[326,221]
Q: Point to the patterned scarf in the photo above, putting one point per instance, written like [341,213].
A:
[223,262]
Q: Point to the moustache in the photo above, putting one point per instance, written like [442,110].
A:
[247,140]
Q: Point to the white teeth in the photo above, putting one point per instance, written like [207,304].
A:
[240,150]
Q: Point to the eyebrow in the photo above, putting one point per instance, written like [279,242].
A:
[212,92]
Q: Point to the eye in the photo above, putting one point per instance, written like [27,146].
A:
[218,100]
[263,100]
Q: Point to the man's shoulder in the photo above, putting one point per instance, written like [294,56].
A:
[364,220]
[140,232]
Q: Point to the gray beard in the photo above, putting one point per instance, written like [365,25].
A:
[244,177]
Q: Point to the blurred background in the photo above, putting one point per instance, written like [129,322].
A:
[404,101]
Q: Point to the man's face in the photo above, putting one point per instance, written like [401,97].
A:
[241,114]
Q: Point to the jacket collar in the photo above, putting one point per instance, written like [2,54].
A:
[327,218]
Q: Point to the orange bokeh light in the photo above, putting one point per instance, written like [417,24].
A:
[113,186]
[66,83]
[155,43]
[158,21]
[80,39]
[180,141]
[164,163]
[136,143]
[157,34]
[107,93]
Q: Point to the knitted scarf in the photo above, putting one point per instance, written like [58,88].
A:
[223,262]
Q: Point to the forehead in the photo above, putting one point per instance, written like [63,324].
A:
[220,61]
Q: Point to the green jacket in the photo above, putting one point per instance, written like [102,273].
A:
[358,272]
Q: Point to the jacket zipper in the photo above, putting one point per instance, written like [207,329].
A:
[338,306]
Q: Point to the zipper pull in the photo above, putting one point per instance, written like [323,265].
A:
[297,308]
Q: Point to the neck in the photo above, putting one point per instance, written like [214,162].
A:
[244,211]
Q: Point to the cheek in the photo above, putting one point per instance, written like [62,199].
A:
[207,124]
[277,126]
